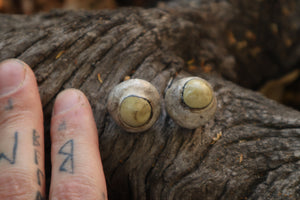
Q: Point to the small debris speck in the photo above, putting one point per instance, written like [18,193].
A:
[241,45]
[250,35]
[215,139]
[99,78]
[192,68]
[59,54]
[231,38]
[126,78]
[191,62]
[274,28]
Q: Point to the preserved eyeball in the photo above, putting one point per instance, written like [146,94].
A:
[134,105]
[191,102]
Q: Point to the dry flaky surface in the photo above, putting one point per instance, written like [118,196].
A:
[249,150]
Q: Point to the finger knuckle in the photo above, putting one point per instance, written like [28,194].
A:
[16,186]
[74,190]
[12,118]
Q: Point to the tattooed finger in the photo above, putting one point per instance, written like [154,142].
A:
[76,165]
[21,133]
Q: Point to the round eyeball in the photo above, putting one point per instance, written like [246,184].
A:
[191,102]
[134,105]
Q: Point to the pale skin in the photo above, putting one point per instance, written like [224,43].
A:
[76,163]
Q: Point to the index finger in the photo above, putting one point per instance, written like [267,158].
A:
[76,164]
[21,133]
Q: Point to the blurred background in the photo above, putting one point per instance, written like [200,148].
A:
[34,6]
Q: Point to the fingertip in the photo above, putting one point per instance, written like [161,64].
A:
[12,76]
[67,100]
[13,60]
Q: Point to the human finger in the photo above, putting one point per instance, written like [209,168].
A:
[76,164]
[21,133]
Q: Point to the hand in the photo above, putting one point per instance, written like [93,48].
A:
[76,164]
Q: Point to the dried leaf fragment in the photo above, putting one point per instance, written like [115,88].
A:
[207,68]
[215,139]
[274,28]
[250,35]
[255,51]
[285,11]
[99,78]
[126,78]
[288,42]
[59,54]
[241,45]
[241,158]
[190,62]
[231,38]
[192,68]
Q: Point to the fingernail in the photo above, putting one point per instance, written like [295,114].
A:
[12,75]
[66,100]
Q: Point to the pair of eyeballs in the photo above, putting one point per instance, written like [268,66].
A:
[135,104]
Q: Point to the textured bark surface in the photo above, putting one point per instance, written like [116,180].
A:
[249,150]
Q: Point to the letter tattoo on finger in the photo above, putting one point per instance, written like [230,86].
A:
[9,105]
[68,150]
[13,159]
